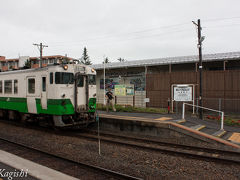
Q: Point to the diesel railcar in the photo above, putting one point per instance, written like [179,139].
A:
[64,95]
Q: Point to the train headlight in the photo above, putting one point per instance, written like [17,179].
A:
[65,67]
[92,70]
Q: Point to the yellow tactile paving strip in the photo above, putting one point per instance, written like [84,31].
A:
[235,137]
[163,119]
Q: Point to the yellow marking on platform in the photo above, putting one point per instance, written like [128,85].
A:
[201,127]
[180,121]
[219,133]
[235,137]
[163,119]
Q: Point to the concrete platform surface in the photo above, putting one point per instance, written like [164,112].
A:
[19,174]
[33,169]
[151,121]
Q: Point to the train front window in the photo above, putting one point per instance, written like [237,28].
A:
[92,79]
[80,81]
[64,78]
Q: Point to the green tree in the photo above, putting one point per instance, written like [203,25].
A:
[27,64]
[85,58]
[106,60]
[121,60]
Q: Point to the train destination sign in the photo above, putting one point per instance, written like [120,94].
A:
[182,93]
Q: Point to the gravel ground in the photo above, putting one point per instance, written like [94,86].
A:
[64,166]
[129,160]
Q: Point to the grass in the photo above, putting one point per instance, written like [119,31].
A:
[128,108]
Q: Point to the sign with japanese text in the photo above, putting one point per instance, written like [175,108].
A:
[182,93]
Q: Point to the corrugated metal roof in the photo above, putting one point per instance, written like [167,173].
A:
[170,60]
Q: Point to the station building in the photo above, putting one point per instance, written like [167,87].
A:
[153,78]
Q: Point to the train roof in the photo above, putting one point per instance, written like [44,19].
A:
[36,69]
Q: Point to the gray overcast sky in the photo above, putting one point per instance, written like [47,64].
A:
[131,29]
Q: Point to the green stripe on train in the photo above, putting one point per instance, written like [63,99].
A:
[54,106]
[92,105]
[11,103]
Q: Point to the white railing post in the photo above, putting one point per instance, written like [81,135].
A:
[183,111]
[222,116]
[222,119]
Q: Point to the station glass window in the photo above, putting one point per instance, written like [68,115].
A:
[44,84]
[8,87]
[0,86]
[92,79]
[80,81]
[15,86]
[51,78]
[64,78]
[31,86]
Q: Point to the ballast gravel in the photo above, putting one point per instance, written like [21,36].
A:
[137,162]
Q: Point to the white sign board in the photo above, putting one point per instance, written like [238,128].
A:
[182,93]
[146,100]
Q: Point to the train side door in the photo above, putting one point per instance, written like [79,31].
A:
[81,90]
[44,92]
[31,95]
[81,96]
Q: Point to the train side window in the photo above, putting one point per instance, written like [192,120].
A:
[44,84]
[31,86]
[0,86]
[8,87]
[51,78]
[15,86]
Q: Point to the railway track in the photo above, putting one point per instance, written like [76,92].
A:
[150,144]
[60,163]
[170,148]
[206,154]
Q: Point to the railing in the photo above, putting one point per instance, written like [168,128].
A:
[222,113]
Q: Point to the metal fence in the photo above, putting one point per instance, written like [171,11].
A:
[137,100]
[228,106]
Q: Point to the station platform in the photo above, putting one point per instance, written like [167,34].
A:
[190,131]
[24,169]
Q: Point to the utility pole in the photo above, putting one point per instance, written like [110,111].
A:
[40,47]
[200,40]
[104,79]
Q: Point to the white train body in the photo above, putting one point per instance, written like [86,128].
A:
[65,93]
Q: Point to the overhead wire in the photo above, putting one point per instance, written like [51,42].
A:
[134,33]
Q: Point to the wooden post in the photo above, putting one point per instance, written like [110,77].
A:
[134,100]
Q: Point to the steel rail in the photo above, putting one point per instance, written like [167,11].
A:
[96,168]
[171,148]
